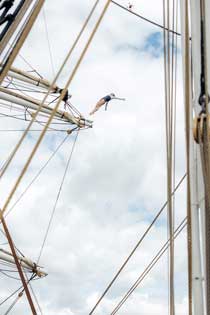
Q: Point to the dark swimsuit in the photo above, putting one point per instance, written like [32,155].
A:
[107,98]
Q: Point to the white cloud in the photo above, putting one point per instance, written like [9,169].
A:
[117,178]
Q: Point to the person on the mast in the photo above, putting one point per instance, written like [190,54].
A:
[104,101]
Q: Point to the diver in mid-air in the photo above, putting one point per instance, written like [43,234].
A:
[104,101]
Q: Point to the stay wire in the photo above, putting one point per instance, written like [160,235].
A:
[169,110]
[187,134]
[58,196]
[18,297]
[58,103]
[48,42]
[33,293]
[71,77]
[32,130]
[37,175]
[175,97]
[35,298]
[11,295]
[149,267]
[13,303]
[145,19]
[32,68]
[205,144]
[27,63]
[2,167]
[34,179]
[8,270]
[8,276]
[135,248]
[22,88]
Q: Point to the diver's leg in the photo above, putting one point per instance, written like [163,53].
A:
[98,105]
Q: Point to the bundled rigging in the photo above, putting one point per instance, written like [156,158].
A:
[41,106]
[23,92]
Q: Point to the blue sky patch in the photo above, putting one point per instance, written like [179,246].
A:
[154,44]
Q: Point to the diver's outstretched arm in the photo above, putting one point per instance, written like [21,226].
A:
[118,98]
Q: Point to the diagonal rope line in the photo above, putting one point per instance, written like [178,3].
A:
[135,248]
[13,303]
[10,296]
[33,293]
[71,77]
[58,196]
[48,92]
[48,42]
[145,19]
[37,175]
[150,266]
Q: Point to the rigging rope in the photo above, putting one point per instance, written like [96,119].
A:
[33,293]
[37,175]
[32,68]
[15,302]
[48,42]
[56,107]
[203,131]
[57,197]
[49,158]
[26,25]
[50,88]
[26,62]
[11,295]
[136,247]
[32,130]
[149,267]
[188,130]
[35,298]
[145,19]
[11,277]
[168,76]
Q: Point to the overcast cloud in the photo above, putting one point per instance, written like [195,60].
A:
[116,182]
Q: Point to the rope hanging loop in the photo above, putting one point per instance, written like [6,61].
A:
[198,127]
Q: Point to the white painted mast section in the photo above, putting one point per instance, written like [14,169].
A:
[197,186]
[29,102]
[25,262]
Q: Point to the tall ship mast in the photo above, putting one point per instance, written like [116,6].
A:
[44,106]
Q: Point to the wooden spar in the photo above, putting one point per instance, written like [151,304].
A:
[24,34]
[20,271]
[31,79]
[19,17]
[29,102]
[24,262]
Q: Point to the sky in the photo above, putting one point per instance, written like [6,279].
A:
[116,182]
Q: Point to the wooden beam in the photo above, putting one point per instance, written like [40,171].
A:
[21,39]
[20,271]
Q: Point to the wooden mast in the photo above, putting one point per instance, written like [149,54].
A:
[24,34]
[4,41]
[19,268]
